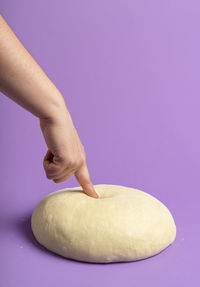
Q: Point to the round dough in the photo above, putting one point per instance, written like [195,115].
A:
[123,224]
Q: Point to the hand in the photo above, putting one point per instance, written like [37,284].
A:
[65,155]
[23,80]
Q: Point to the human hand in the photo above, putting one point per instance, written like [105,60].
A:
[24,81]
[65,155]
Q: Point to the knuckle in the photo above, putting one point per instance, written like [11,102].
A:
[80,161]
[51,172]
[45,165]
[49,176]
[75,162]
[57,180]
[71,162]
[60,160]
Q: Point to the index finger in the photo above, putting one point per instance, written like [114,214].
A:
[83,177]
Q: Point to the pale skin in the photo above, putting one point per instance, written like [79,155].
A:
[24,81]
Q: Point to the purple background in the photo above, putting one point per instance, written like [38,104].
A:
[129,72]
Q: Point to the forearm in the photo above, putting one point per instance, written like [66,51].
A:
[23,80]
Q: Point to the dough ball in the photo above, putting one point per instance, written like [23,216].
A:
[123,224]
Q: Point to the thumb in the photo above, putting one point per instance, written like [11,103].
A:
[82,176]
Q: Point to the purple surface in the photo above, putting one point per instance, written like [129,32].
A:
[129,72]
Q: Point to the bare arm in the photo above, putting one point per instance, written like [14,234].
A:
[23,80]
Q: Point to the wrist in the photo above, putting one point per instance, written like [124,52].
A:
[56,110]
[59,118]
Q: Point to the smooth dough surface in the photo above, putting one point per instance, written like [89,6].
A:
[123,224]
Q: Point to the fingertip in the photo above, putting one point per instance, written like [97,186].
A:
[96,196]
[90,191]
[95,193]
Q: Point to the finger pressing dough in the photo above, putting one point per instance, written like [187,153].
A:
[123,224]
